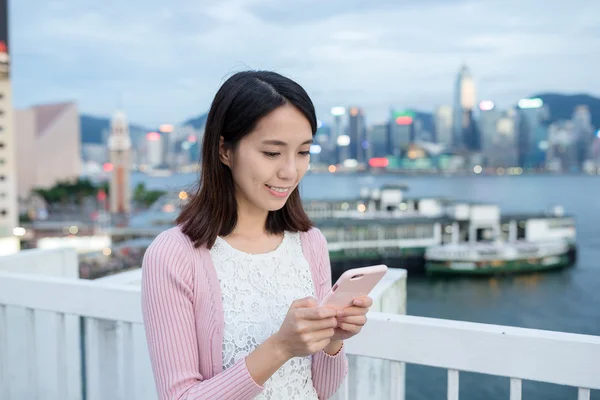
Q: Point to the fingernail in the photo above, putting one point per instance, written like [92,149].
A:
[358,302]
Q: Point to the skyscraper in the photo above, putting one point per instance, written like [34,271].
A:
[378,140]
[443,125]
[356,131]
[488,119]
[401,131]
[465,133]
[9,212]
[584,132]
[532,141]
[119,145]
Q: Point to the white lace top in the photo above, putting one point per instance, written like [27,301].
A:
[257,291]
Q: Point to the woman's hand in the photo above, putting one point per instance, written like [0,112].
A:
[351,319]
[306,330]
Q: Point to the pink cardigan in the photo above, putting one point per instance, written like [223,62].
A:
[183,319]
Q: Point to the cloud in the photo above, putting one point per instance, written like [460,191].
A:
[167,61]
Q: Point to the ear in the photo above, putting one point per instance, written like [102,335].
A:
[225,153]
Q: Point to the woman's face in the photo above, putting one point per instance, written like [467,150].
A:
[269,162]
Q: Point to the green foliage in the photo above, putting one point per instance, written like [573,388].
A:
[146,198]
[65,192]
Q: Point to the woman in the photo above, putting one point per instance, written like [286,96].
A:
[229,295]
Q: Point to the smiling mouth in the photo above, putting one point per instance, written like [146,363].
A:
[278,189]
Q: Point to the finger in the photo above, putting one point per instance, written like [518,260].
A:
[364,301]
[358,320]
[316,313]
[305,302]
[351,328]
[323,334]
[353,311]
[317,325]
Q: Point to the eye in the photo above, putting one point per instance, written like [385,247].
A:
[304,153]
[270,155]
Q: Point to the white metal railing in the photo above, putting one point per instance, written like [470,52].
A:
[516,353]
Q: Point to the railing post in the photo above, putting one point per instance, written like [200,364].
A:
[583,394]
[4,367]
[102,363]
[31,344]
[61,356]
[453,384]
[515,389]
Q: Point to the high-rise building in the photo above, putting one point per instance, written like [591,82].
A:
[44,134]
[119,145]
[532,142]
[465,133]
[341,139]
[401,131]
[357,133]
[378,140]
[584,132]
[562,147]
[9,212]
[488,120]
[443,125]
[154,149]
[504,143]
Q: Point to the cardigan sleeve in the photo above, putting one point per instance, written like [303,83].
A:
[328,372]
[170,327]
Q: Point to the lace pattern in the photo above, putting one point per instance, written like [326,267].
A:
[257,290]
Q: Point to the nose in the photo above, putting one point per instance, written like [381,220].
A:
[287,170]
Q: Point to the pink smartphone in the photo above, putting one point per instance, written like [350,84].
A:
[353,283]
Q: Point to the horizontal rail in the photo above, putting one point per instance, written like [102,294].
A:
[72,296]
[537,355]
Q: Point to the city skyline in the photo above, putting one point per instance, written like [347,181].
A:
[377,55]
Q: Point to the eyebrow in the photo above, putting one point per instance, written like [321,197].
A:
[275,142]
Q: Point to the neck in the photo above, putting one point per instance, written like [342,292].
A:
[250,221]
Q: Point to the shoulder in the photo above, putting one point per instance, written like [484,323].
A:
[314,238]
[170,249]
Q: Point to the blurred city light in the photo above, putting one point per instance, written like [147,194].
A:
[350,163]
[183,195]
[486,105]
[343,140]
[477,169]
[379,162]
[332,168]
[19,231]
[530,103]
[315,149]
[404,120]
[166,128]
[338,111]
[153,136]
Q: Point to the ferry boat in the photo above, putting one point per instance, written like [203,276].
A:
[440,235]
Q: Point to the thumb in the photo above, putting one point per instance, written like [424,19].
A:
[305,302]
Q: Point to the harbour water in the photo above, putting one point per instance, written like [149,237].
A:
[566,300]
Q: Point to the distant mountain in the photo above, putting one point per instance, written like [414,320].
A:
[93,129]
[562,106]
[198,122]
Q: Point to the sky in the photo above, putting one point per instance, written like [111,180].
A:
[163,63]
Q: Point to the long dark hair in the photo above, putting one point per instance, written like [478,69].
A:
[240,103]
